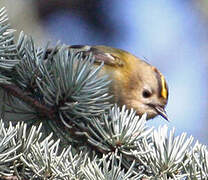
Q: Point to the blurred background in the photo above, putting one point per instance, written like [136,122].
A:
[171,35]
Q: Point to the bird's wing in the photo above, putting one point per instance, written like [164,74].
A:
[100,53]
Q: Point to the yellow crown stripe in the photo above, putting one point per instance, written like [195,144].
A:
[164,91]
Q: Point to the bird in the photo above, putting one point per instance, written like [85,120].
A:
[134,82]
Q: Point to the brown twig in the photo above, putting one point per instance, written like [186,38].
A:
[23,96]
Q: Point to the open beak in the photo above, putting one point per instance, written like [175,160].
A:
[161,111]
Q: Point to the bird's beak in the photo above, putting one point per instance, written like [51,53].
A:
[161,111]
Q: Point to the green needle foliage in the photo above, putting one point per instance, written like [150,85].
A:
[58,122]
[117,128]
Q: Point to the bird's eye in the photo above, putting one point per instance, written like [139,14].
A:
[146,93]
